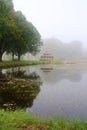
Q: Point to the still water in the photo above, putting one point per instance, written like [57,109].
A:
[62,92]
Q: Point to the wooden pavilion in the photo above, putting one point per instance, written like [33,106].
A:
[47,57]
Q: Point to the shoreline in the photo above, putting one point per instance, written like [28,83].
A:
[8,64]
[20,120]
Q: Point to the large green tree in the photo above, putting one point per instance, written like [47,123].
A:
[34,39]
[26,37]
[6,25]
[17,35]
[18,44]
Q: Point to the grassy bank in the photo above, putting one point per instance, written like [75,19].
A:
[5,64]
[59,61]
[19,63]
[20,120]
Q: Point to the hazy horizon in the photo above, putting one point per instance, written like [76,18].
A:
[64,20]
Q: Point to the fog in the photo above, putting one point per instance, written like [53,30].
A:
[61,50]
[65,20]
[73,50]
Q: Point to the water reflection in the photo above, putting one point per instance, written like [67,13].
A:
[18,73]
[57,74]
[63,91]
[54,74]
[17,89]
[46,69]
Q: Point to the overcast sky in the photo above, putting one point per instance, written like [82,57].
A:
[63,19]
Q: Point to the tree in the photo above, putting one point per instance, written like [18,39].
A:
[17,35]
[34,42]
[26,38]
[6,25]
[18,45]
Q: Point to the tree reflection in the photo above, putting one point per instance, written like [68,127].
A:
[22,74]
[18,90]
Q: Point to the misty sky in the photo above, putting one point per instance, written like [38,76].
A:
[63,19]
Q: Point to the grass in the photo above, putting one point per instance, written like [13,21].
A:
[19,63]
[20,120]
[58,61]
[5,64]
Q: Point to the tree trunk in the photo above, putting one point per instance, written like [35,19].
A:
[1,56]
[12,56]
[19,57]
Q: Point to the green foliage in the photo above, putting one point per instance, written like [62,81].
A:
[19,63]
[17,35]
[26,37]
[13,120]
[34,43]
[6,25]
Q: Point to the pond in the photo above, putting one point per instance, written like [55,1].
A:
[61,91]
